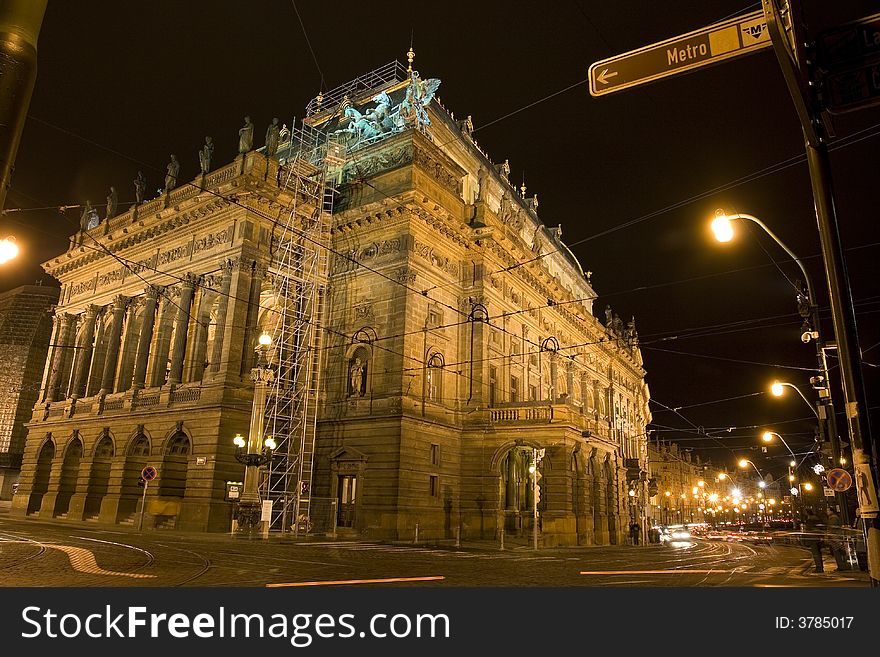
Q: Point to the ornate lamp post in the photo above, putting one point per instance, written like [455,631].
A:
[255,451]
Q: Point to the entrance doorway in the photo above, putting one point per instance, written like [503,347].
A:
[517,491]
[346,500]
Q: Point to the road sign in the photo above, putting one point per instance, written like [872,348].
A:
[839,480]
[854,89]
[829,492]
[849,42]
[233,490]
[708,45]
[149,473]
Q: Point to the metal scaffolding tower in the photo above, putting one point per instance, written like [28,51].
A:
[298,272]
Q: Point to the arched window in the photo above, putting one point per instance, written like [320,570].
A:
[104,448]
[434,378]
[140,446]
[178,445]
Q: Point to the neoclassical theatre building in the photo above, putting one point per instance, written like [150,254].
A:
[459,349]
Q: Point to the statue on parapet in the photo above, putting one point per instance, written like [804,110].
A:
[419,93]
[273,136]
[246,136]
[171,172]
[205,155]
[140,188]
[89,217]
[112,203]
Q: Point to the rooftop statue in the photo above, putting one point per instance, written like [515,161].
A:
[273,136]
[205,155]
[140,187]
[171,172]
[246,136]
[419,93]
[112,203]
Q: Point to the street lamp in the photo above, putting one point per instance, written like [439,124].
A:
[255,451]
[8,249]
[777,388]
[808,309]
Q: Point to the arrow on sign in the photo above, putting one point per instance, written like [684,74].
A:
[604,75]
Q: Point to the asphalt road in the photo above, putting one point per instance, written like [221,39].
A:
[35,553]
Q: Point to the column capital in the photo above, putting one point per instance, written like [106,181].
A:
[92,310]
[120,301]
[152,291]
[190,280]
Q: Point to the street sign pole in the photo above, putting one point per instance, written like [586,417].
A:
[839,292]
[143,506]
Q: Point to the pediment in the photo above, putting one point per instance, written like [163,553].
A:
[347,454]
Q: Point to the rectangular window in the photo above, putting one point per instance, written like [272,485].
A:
[533,393]
[435,486]
[435,455]
[514,389]
[434,318]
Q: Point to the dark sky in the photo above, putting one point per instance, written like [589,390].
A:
[121,86]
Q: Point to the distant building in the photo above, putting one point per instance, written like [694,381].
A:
[25,328]
[676,475]
[458,343]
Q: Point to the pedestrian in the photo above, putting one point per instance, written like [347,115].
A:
[836,541]
[812,541]
[634,531]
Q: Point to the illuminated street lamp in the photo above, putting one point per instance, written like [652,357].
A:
[8,249]
[255,451]
[777,389]
[808,309]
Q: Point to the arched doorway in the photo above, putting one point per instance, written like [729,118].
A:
[137,457]
[172,479]
[517,491]
[41,476]
[99,477]
[69,475]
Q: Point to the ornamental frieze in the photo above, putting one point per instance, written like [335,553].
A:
[115,276]
[437,171]
[212,240]
[387,159]
[82,287]
[176,253]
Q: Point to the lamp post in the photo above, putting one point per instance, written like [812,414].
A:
[722,227]
[255,451]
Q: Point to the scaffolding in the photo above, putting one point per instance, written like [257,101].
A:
[298,272]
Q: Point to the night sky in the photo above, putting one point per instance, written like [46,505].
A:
[633,177]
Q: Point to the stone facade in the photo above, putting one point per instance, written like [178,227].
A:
[459,340]
[25,327]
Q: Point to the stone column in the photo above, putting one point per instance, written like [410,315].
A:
[124,366]
[113,343]
[235,322]
[585,386]
[62,347]
[84,352]
[182,328]
[145,337]
[222,309]
[553,377]
[50,358]
[569,381]
[253,312]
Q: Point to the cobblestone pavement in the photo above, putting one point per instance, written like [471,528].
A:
[38,553]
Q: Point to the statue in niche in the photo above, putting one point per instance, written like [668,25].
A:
[112,203]
[536,242]
[140,187]
[357,377]
[171,172]
[205,155]
[273,136]
[246,136]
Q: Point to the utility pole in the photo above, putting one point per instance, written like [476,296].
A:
[788,43]
[20,22]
